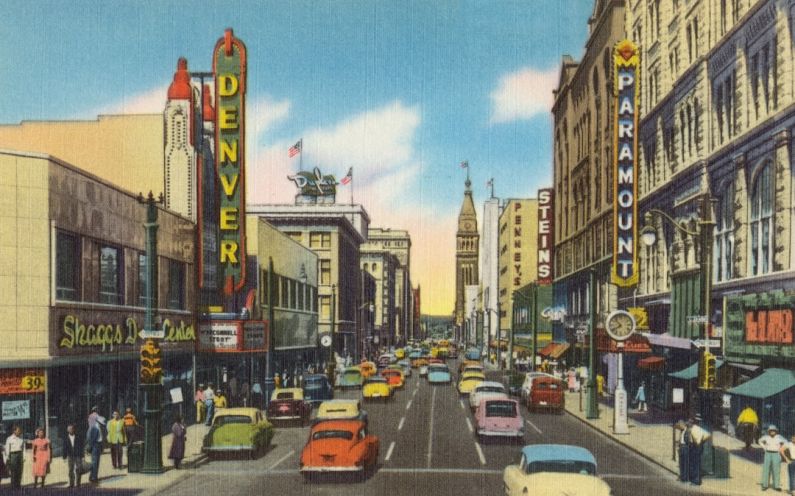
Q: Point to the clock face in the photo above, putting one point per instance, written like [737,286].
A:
[468,226]
[326,340]
[620,325]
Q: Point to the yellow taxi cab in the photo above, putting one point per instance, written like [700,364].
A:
[469,381]
[400,353]
[434,352]
[376,388]
[368,369]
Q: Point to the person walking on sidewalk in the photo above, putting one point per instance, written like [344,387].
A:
[684,436]
[640,398]
[117,439]
[177,451]
[42,455]
[130,426]
[788,453]
[772,442]
[201,409]
[73,454]
[94,448]
[748,426]
[209,403]
[696,438]
[14,453]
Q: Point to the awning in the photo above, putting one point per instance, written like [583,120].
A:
[691,372]
[744,366]
[652,363]
[554,350]
[668,341]
[770,383]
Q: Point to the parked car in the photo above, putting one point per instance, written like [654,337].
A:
[339,446]
[287,404]
[350,377]
[544,469]
[243,430]
[376,388]
[527,385]
[486,390]
[317,389]
[547,394]
[438,373]
[340,409]
[499,417]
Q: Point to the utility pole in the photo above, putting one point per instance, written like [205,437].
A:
[592,409]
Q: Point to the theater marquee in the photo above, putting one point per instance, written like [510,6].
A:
[625,173]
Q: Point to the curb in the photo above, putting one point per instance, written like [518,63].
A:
[200,460]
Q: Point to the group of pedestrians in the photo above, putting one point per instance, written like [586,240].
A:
[691,445]
[208,400]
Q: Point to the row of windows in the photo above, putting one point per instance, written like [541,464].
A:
[288,293]
[316,239]
[71,266]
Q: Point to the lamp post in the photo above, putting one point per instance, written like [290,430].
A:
[704,233]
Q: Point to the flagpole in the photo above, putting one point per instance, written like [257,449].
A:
[492,187]
[301,156]
[351,189]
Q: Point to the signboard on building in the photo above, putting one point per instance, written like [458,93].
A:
[315,187]
[759,325]
[22,381]
[233,336]
[625,147]
[254,335]
[546,235]
[16,410]
[637,343]
[229,67]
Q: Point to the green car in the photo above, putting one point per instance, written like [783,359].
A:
[238,430]
[351,377]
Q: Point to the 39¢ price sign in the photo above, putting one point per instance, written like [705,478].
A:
[22,381]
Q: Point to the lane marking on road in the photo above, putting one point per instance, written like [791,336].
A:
[430,431]
[534,426]
[625,476]
[408,405]
[480,453]
[389,451]
[400,425]
[414,393]
[280,460]
[469,424]
[461,404]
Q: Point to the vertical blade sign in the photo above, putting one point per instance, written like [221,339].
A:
[229,68]
[625,172]
[546,235]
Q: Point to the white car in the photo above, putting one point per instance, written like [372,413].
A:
[487,389]
[423,371]
[527,385]
[554,469]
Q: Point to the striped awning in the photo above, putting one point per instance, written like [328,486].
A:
[554,350]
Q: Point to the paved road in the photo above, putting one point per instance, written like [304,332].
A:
[427,447]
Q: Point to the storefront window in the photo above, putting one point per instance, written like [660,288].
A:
[176,285]
[110,275]
[67,261]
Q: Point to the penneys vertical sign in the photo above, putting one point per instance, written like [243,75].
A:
[546,238]
[625,172]
[229,68]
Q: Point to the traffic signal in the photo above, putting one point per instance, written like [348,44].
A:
[706,371]
[151,369]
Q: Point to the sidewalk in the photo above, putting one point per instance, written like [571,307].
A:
[112,479]
[650,436]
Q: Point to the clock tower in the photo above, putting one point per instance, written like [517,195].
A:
[466,252]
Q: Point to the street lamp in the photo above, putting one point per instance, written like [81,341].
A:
[704,233]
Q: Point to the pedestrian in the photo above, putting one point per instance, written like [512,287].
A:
[130,426]
[600,384]
[117,439]
[73,454]
[220,400]
[42,455]
[682,445]
[94,417]
[209,403]
[177,451]
[748,426]
[788,454]
[572,380]
[277,380]
[772,442]
[201,410]
[695,445]
[94,448]
[640,397]
[14,453]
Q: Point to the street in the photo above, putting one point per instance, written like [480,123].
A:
[427,445]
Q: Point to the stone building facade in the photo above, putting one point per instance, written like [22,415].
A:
[466,254]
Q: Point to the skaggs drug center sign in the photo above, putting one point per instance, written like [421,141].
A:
[625,174]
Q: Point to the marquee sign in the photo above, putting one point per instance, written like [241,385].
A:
[229,67]
[546,235]
[625,173]
[233,336]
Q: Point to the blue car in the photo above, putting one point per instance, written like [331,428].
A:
[472,354]
[317,389]
[438,373]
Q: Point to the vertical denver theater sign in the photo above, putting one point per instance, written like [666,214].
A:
[229,67]
[625,172]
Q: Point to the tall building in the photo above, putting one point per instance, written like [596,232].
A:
[518,256]
[583,171]
[490,266]
[179,123]
[466,253]
[383,267]
[397,242]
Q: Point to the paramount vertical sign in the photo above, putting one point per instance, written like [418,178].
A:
[229,67]
[546,238]
[625,172]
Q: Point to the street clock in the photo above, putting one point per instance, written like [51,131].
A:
[620,325]
[326,340]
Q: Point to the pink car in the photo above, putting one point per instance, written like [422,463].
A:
[499,418]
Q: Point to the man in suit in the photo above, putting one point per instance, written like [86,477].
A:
[94,447]
[73,454]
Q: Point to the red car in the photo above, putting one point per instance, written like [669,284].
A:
[394,378]
[547,394]
[339,446]
[287,404]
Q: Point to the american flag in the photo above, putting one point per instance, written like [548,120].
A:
[465,164]
[490,183]
[348,177]
[296,148]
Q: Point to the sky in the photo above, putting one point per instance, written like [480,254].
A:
[400,91]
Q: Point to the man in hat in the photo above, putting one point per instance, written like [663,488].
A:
[696,437]
[772,443]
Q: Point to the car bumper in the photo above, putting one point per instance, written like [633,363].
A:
[227,449]
[438,381]
[486,432]
[285,417]
[313,469]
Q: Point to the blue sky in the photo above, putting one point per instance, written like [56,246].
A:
[402,91]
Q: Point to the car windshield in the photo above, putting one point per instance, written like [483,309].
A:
[375,380]
[314,383]
[287,395]
[489,389]
[547,385]
[332,435]
[501,409]
[438,368]
[562,466]
[232,419]
[352,374]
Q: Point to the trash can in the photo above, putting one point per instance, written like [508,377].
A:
[720,463]
[135,457]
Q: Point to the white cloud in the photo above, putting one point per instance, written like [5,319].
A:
[523,94]
[263,113]
[151,101]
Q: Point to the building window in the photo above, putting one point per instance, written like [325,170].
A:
[761,224]
[110,291]
[325,307]
[284,292]
[724,236]
[325,272]
[319,240]
[301,288]
[67,263]
[296,236]
[264,290]
[176,285]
